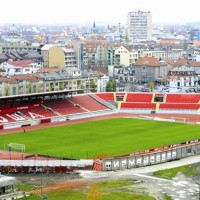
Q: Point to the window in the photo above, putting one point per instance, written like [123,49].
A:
[17,70]
[34,88]
[14,91]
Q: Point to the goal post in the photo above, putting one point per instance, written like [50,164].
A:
[180,119]
[16,146]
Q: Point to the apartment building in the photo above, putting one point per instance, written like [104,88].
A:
[102,56]
[111,54]
[183,77]
[27,84]
[147,69]
[160,55]
[70,58]
[139,26]
[8,86]
[90,52]
[125,74]
[45,54]
[7,47]
[175,54]
[59,56]
[122,56]
[20,67]
[103,78]
[71,78]
[126,55]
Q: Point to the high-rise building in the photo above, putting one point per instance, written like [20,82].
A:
[139,26]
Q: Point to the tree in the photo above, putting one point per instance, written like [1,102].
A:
[126,37]
[82,87]
[151,86]
[94,193]
[165,80]
[114,85]
[40,88]
[51,87]
[6,90]
[93,86]
[61,86]
[29,87]
[111,86]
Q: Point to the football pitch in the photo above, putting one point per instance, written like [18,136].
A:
[111,137]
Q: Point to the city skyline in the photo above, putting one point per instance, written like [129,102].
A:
[62,12]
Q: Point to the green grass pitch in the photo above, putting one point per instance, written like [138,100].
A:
[112,137]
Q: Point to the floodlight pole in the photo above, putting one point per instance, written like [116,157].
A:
[41,184]
[199,188]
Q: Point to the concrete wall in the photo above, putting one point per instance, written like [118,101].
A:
[151,158]
[56,57]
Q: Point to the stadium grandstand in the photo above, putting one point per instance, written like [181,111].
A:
[33,109]
[56,106]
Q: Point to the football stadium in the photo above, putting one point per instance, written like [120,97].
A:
[63,131]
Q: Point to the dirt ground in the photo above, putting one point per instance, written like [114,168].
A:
[53,182]
[180,188]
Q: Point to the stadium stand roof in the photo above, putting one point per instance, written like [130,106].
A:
[7,180]
[41,94]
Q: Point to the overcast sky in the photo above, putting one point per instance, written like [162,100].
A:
[78,11]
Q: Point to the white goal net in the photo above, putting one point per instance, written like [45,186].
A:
[16,146]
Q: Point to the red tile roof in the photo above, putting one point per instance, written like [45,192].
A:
[8,80]
[178,62]
[196,43]
[194,64]
[169,41]
[25,77]
[21,63]
[148,61]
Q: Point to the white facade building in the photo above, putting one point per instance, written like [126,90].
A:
[102,82]
[139,26]
[20,67]
[183,78]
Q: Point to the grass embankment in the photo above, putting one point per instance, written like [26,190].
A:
[171,173]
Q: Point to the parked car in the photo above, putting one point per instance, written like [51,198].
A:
[165,89]
[190,90]
[146,90]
